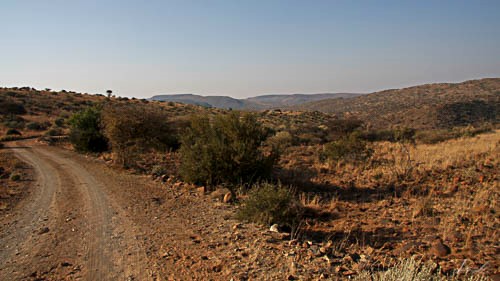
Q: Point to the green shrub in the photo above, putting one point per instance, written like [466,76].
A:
[271,204]
[227,150]
[85,131]
[135,129]
[36,126]
[11,132]
[59,122]
[15,124]
[351,148]
[54,132]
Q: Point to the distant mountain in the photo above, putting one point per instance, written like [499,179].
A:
[253,103]
[442,105]
[272,101]
[209,101]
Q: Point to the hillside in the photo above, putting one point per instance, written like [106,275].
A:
[253,103]
[348,215]
[428,106]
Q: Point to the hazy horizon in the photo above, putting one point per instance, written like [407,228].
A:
[245,49]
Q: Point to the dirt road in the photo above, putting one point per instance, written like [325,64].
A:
[83,220]
[68,226]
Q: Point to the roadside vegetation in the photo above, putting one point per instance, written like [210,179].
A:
[375,198]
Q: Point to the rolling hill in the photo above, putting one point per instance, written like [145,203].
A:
[253,103]
[429,106]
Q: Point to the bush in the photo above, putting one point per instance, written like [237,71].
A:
[85,131]
[11,132]
[271,204]
[436,136]
[397,135]
[135,129]
[11,107]
[280,141]
[54,132]
[59,122]
[36,126]
[338,129]
[15,124]
[227,150]
[415,270]
[158,170]
[351,148]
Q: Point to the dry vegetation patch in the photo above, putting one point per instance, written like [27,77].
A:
[15,178]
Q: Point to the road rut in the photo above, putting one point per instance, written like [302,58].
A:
[69,226]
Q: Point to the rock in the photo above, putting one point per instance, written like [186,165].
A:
[439,249]
[217,268]
[65,264]
[43,230]
[228,197]
[481,178]
[202,190]
[291,277]
[164,178]
[274,228]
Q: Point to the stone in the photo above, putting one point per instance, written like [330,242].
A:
[164,178]
[202,190]
[43,230]
[228,197]
[439,249]
[274,228]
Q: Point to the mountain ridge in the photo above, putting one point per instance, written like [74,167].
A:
[252,103]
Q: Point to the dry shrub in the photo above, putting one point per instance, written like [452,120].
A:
[415,270]
[350,149]
[271,204]
[134,129]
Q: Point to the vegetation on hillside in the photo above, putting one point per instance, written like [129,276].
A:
[384,176]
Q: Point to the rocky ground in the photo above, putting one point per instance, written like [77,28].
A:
[160,228]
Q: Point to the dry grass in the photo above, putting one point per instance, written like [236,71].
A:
[412,269]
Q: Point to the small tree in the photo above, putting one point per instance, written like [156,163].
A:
[85,131]
[226,150]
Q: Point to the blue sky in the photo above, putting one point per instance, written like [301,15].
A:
[245,48]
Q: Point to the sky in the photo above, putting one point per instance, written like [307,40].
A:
[245,48]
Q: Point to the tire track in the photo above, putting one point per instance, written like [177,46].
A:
[90,237]
[18,236]
[113,253]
